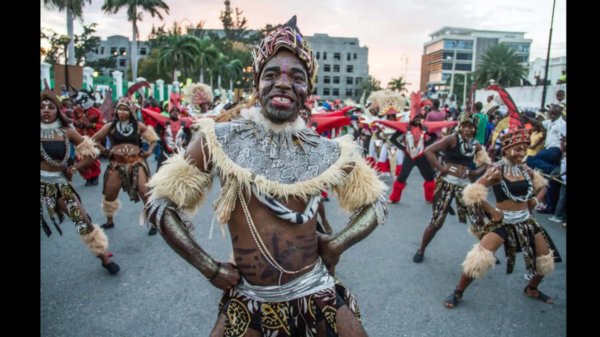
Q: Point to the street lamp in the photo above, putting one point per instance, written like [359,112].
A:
[455,44]
[65,40]
[95,74]
[189,27]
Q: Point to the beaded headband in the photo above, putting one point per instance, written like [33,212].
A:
[515,137]
[287,36]
[126,102]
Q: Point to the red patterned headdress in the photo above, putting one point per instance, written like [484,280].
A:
[517,133]
[416,105]
[287,36]
[174,102]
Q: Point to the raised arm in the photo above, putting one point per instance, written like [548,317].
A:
[533,121]
[178,188]
[85,147]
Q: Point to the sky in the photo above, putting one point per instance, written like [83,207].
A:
[389,28]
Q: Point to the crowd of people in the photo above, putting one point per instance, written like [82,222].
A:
[275,170]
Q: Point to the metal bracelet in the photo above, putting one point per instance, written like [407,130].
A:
[216,272]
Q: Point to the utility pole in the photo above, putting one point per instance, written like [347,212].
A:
[405,66]
[548,58]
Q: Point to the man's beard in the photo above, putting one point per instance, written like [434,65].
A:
[279,116]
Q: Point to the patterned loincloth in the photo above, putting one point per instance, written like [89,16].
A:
[444,193]
[128,167]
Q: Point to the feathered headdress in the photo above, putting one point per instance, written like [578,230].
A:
[287,36]
[389,102]
[197,94]
[50,95]
[174,102]
[517,133]
[416,105]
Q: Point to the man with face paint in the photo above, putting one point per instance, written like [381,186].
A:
[272,170]
[516,189]
[88,120]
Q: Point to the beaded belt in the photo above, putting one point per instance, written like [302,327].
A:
[314,281]
[456,180]
[513,217]
[125,160]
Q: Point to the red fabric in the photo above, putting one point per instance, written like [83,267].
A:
[324,194]
[91,171]
[371,161]
[397,191]
[429,187]
[398,170]
[148,120]
[92,115]
[325,124]
[384,167]
[162,120]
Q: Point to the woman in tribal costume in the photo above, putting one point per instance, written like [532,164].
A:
[517,189]
[56,190]
[461,150]
[127,169]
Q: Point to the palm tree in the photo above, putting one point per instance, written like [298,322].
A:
[205,56]
[500,64]
[226,67]
[177,50]
[74,9]
[133,15]
[372,85]
[398,84]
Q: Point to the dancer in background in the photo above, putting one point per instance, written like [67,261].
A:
[88,120]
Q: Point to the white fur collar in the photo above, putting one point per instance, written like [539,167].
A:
[253,114]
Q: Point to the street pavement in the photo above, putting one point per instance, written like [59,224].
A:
[157,293]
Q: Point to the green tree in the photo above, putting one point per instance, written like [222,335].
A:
[86,42]
[135,9]
[368,87]
[74,9]
[177,50]
[230,69]
[500,64]
[398,84]
[55,51]
[150,70]
[459,87]
[235,29]
[205,56]
[104,65]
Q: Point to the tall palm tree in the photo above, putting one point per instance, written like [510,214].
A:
[205,57]
[398,84]
[224,67]
[500,64]
[74,9]
[177,50]
[135,9]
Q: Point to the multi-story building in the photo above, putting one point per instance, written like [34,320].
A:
[119,46]
[343,66]
[438,52]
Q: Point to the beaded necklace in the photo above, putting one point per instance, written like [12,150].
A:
[51,161]
[529,193]
[466,148]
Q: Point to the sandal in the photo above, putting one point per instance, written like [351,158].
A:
[152,231]
[108,226]
[541,296]
[452,299]
[451,211]
[112,268]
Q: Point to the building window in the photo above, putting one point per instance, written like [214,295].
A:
[462,45]
[327,68]
[336,92]
[324,55]
[316,79]
[358,80]
[122,51]
[336,68]
[101,50]
[336,80]
[463,66]
[96,51]
[337,56]
[445,76]
[318,55]
[326,92]
[524,59]
[143,51]
[349,69]
[327,80]
[349,92]
[122,63]
[315,91]
[113,50]
[355,56]
[448,55]
[519,48]
[447,66]
[349,80]
[349,56]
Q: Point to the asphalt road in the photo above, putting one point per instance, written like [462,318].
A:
[157,293]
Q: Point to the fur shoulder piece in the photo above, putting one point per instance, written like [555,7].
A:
[482,157]
[150,136]
[180,181]
[87,148]
[474,194]
[362,186]
[538,180]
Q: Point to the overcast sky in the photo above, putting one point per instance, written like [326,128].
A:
[389,28]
